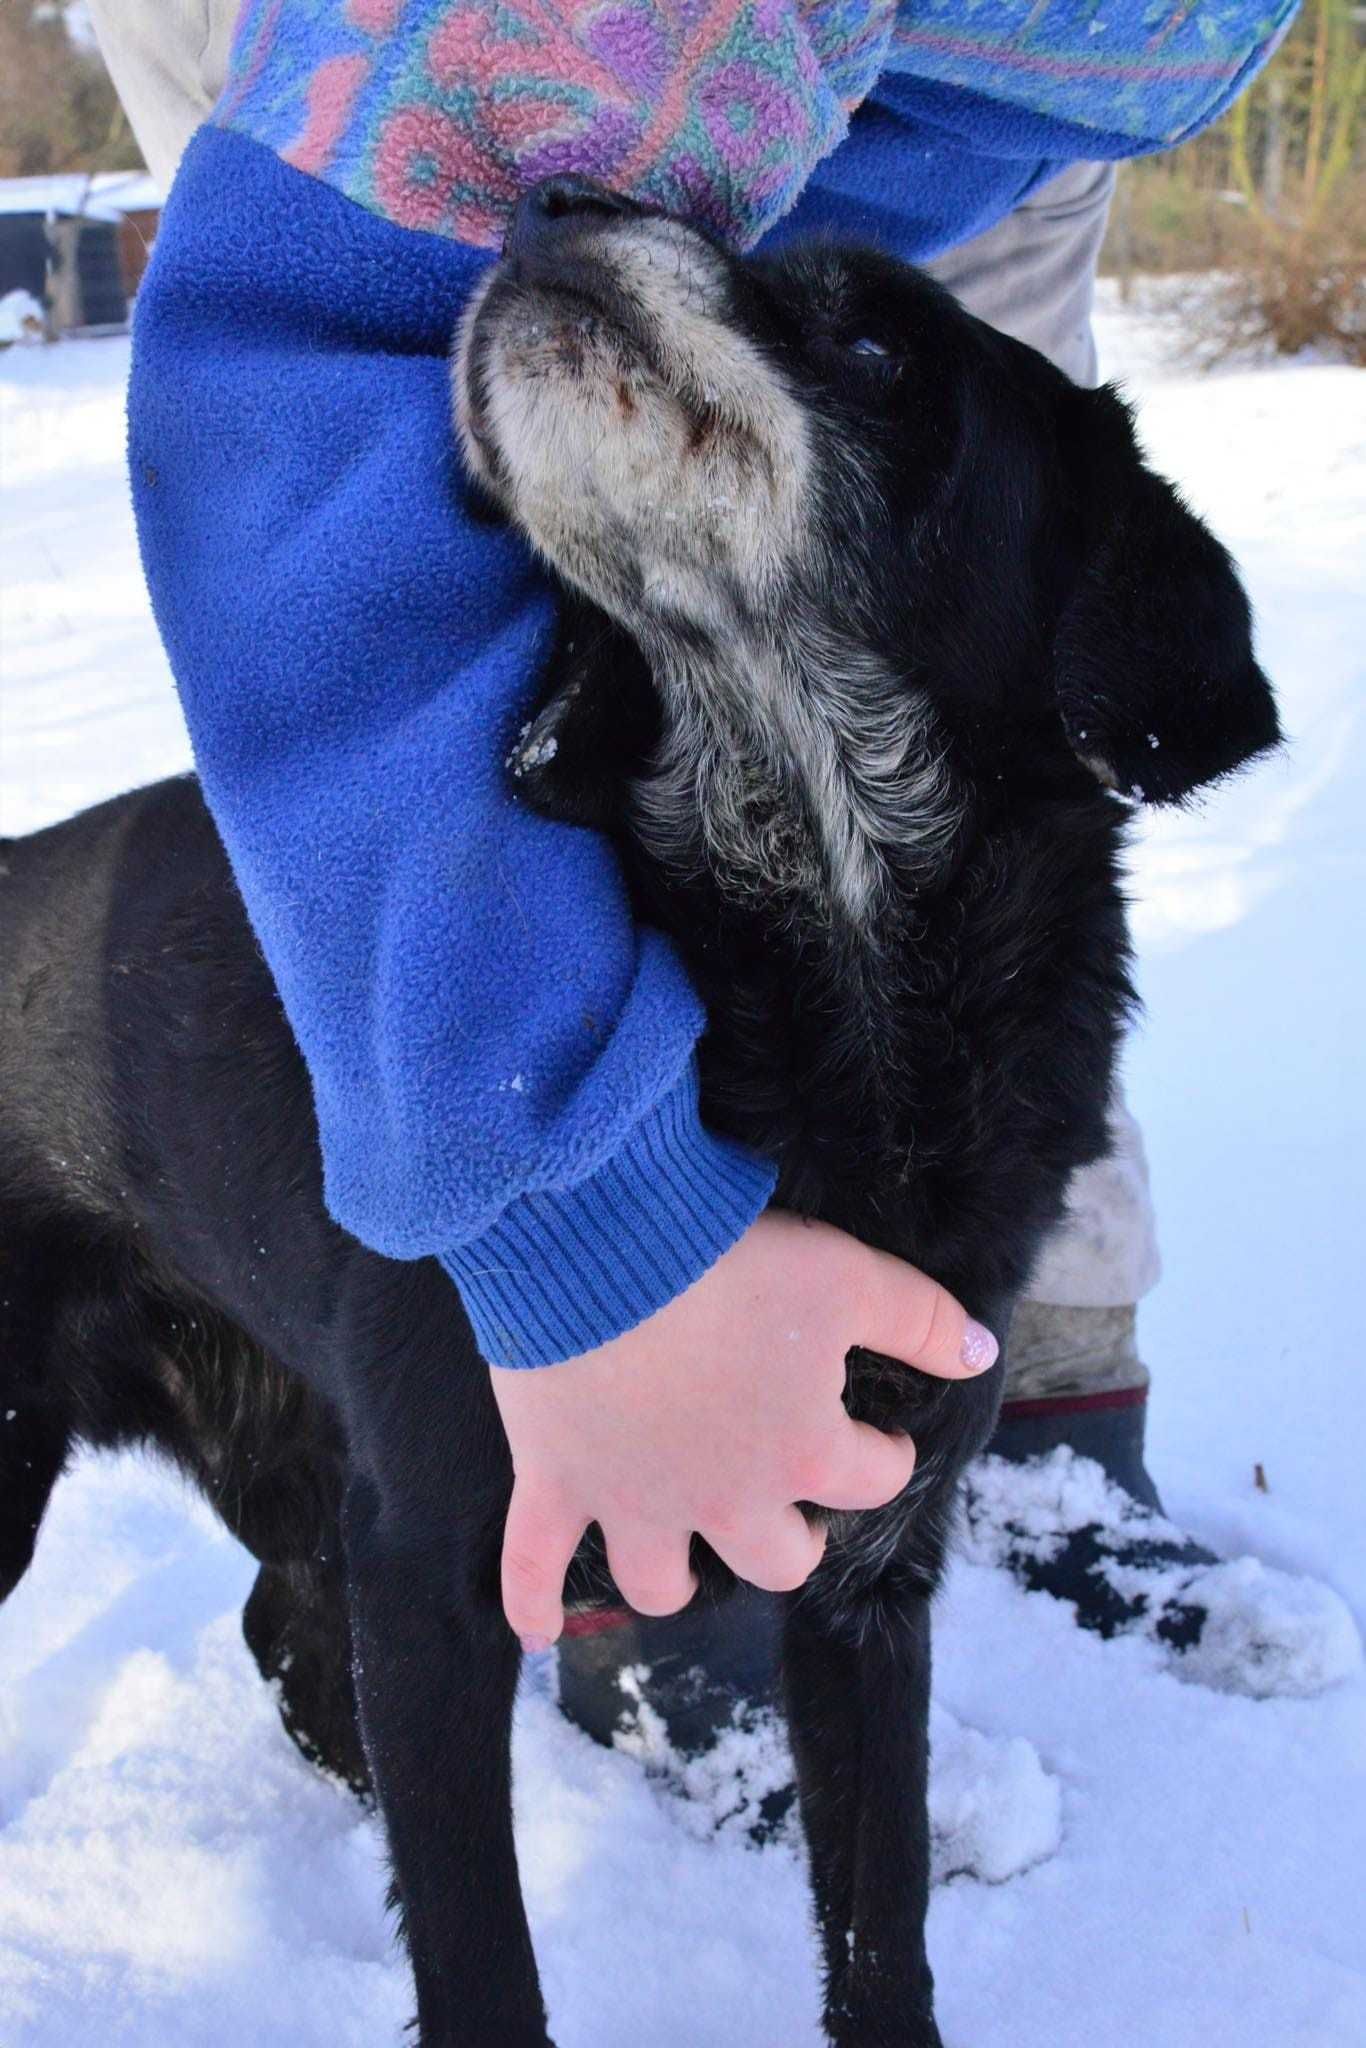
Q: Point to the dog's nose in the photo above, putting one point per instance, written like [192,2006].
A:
[567,199]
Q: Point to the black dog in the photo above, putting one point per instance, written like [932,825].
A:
[882,612]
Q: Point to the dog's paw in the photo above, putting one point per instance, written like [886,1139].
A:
[556,764]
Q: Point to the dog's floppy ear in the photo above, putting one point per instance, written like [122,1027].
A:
[1156,680]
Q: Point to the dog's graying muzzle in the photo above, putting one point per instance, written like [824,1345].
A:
[554,202]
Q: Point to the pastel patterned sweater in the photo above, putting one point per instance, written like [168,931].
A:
[436,113]
[503,1065]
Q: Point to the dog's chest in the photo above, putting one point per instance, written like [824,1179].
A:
[799,773]
[927,1080]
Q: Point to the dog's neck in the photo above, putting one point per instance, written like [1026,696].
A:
[800,771]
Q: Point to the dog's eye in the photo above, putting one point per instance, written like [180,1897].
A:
[833,350]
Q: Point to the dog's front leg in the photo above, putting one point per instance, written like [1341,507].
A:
[436,1673]
[857,1679]
[436,1664]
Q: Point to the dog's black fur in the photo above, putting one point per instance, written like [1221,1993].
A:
[169,1276]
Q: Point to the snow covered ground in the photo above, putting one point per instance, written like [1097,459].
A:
[1142,1863]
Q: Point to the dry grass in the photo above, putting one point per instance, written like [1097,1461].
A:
[1273,286]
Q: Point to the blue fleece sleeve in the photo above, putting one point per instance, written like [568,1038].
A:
[502,1064]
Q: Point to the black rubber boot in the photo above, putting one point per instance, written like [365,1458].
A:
[698,1673]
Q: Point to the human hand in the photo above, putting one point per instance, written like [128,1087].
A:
[716,1415]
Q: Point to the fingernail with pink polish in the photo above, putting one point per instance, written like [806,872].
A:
[980,1349]
[532,1646]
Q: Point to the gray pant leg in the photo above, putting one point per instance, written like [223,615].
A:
[1033,276]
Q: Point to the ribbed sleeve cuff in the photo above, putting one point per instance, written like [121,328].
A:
[562,1272]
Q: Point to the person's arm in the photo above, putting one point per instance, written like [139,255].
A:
[501,1061]
[502,1065]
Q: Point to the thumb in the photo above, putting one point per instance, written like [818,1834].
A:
[901,1312]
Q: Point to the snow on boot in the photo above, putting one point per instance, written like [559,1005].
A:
[1066,1504]
[693,1697]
